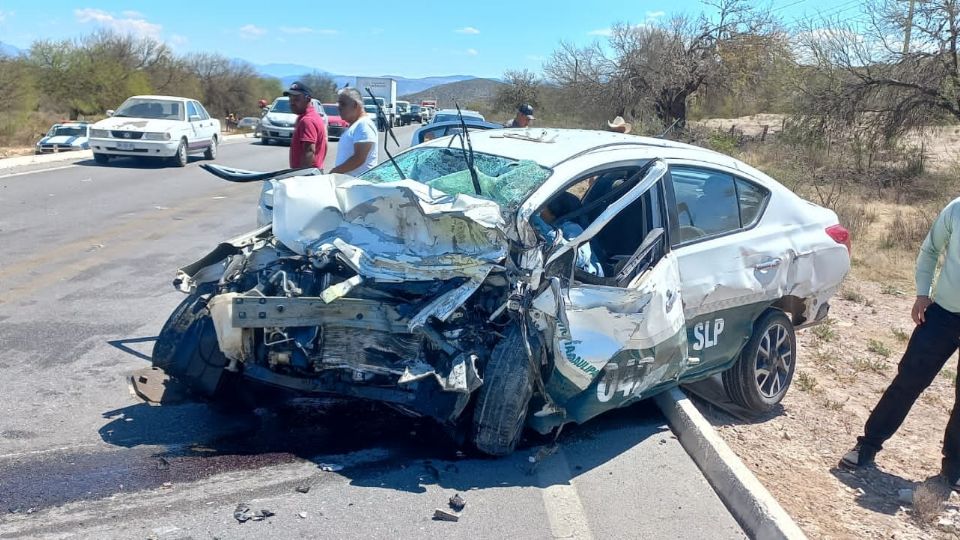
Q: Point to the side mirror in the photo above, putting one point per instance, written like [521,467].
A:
[110,112]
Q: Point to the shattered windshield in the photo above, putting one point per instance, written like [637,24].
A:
[503,180]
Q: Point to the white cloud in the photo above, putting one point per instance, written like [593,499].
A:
[606,32]
[472,52]
[137,26]
[327,32]
[251,31]
[467,30]
[296,29]
[4,15]
[130,14]
[655,14]
[177,40]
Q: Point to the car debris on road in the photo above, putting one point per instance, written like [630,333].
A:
[243,514]
[457,503]
[445,515]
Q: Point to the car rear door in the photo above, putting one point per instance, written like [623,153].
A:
[620,337]
[729,267]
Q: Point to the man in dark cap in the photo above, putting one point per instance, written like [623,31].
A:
[308,147]
[523,117]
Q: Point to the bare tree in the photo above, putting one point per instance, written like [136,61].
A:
[523,86]
[322,85]
[871,79]
[658,67]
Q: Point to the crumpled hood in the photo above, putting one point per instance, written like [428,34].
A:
[138,124]
[395,231]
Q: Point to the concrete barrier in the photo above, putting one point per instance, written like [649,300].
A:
[751,504]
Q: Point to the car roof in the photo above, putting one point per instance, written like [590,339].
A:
[454,111]
[550,147]
[172,98]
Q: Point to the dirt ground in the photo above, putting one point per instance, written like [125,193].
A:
[842,369]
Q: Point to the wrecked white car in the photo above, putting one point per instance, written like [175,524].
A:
[536,278]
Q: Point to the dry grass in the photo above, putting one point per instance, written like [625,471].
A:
[908,229]
[928,500]
[805,382]
[878,347]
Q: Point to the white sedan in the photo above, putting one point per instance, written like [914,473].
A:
[156,127]
[544,277]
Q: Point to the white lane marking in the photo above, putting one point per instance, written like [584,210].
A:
[564,509]
[48,450]
[36,171]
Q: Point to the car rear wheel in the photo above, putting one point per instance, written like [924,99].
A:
[101,159]
[501,409]
[180,158]
[763,373]
[211,151]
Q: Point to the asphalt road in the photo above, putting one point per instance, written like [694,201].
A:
[87,254]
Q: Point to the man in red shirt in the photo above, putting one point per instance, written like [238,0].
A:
[308,148]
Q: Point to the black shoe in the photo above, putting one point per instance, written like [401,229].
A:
[858,457]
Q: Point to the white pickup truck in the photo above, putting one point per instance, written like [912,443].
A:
[157,127]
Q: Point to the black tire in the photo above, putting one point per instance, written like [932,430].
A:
[101,159]
[501,408]
[180,158]
[187,350]
[211,152]
[751,383]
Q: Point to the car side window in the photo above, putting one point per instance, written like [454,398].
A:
[752,199]
[707,203]
[191,110]
[201,111]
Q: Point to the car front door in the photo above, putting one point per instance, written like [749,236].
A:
[621,336]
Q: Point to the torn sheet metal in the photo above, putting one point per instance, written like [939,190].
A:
[393,231]
[601,322]
[444,305]
[234,342]
[462,378]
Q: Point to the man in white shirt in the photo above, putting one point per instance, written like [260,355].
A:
[357,148]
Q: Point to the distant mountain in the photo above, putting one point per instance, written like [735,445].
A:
[287,73]
[462,92]
[9,50]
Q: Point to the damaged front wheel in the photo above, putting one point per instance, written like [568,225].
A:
[501,408]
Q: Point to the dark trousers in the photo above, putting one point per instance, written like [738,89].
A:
[931,345]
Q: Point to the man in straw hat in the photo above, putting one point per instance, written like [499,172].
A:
[619,125]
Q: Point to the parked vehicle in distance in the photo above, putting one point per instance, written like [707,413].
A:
[384,89]
[378,118]
[425,114]
[446,115]
[335,125]
[540,278]
[248,122]
[435,130]
[412,114]
[65,137]
[429,103]
[156,127]
[279,122]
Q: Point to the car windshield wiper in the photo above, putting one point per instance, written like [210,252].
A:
[387,132]
[465,145]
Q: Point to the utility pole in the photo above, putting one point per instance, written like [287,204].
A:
[909,26]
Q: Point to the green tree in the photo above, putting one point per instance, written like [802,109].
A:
[323,87]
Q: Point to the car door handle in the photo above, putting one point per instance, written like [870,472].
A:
[767,265]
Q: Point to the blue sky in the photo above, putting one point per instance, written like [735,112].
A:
[481,38]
